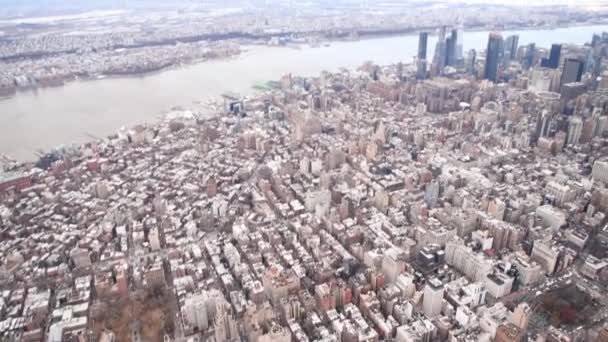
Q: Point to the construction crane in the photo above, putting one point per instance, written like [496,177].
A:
[91,136]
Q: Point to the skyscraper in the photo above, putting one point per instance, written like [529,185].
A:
[596,39]
[422,45]
[543,122]
[556,50]
[529,57]
[553,60]
[459,42]
[421,69]
[501,50]
[422,51]
[492,56]
[450,55]
[593,64]
[573,71]
[470,62]
[440,53]
[433,298]
[511,45]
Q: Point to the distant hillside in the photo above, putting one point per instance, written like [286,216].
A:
[29,8]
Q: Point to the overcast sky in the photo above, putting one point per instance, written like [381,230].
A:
[539,2]
[57,5]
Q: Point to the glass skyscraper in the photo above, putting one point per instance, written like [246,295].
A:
[495,43]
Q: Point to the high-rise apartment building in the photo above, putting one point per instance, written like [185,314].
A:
[600,171]
[433,298]
[575,129]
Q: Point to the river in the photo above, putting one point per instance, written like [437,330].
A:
[49,117]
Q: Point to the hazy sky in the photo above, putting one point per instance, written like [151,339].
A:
[539,2]
[8,7]
[168,2]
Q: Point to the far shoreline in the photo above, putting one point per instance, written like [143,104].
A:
[157,113]
[366,36]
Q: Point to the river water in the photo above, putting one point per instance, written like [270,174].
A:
[46,118]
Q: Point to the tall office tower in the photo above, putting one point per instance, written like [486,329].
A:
[597,66]
[450,55]
[459,43]
[433,298]
[593,64]
[554,55]
[493,56]
[529,56]
[501,49]
[422,51]
[553,60]
[423,41]
[470,62]
[421,69]
[589,61]
[511,45]
[575,129]
[573,71]
[595,40]
[440,52]
[521,315]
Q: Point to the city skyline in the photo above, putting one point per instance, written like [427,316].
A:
[280,171]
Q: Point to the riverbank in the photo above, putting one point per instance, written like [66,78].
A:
[320,39]
[61,115]
[148,70]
